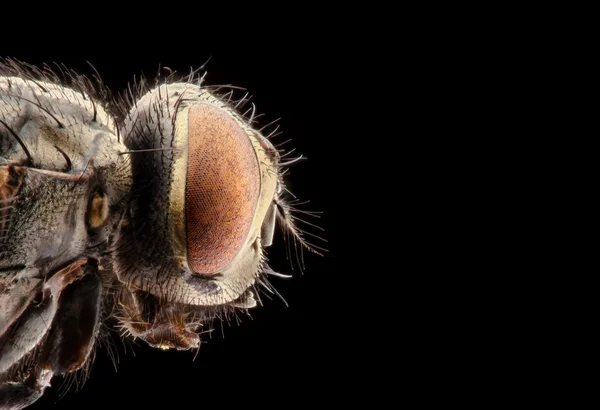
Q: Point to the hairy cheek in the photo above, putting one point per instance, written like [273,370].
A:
[222,189]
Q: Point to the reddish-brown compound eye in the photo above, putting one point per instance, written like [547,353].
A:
[222,188]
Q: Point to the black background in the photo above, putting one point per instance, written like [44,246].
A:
[279,353]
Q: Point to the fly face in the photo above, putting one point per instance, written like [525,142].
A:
[205,208]
[155,219]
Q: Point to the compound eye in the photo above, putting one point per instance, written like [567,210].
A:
[222,188]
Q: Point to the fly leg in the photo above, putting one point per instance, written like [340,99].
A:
[18,395]
[52,337]
[27,332]
[71,338]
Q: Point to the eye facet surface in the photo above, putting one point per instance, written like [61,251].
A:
[223,187]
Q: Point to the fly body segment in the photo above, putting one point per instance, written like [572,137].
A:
[147,213]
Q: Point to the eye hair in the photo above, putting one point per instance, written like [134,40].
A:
[271,272]
[292,161]
[265,284]
[287,221]
[269,124]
